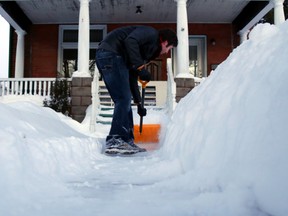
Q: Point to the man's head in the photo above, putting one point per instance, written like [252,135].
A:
[168,40]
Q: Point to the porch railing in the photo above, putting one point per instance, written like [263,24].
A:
[26,86]
[155,93]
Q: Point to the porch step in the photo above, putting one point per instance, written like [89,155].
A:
[105,115]
[105,99]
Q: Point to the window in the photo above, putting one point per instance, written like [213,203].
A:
[68,48]
[197,56]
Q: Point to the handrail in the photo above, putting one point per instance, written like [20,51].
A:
[171,88]
[95,100]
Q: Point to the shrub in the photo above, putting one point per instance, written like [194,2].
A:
[59,100]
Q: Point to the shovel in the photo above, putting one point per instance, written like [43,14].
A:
[143,83]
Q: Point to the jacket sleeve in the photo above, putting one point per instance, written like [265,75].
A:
[135,41]
[133,81]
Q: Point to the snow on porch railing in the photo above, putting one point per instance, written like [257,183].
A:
[26,86]
[171,88]
[95,100]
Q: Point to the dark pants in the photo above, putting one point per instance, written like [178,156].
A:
[116,77]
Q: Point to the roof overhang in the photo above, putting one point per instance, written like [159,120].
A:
[25,12]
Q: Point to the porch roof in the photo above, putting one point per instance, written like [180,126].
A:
[124,11]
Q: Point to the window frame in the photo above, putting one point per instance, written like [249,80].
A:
[74,45]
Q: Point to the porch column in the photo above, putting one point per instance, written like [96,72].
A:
[83,40]
[19,62]
[183,41]
[81,79]
[279,16]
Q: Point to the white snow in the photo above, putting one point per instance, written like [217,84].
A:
[224,151]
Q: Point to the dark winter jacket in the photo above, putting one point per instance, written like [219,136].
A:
[137,45]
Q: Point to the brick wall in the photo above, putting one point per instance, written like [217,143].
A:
[44,50]
[41,51]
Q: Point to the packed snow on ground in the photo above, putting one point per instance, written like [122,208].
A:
[224,151]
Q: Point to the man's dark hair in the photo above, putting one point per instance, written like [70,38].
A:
[169,35]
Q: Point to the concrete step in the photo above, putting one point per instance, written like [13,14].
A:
[105,115]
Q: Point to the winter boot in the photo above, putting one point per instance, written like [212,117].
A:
[116,146]
[131,143]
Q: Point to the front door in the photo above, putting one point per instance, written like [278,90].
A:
[197,56]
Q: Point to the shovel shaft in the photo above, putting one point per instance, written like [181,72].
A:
[142,105]
[144,83]
[141,124]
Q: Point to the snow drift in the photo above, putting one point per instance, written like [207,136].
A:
[37,151]
[230,133]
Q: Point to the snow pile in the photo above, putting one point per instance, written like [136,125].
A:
[230,133]
[37,151]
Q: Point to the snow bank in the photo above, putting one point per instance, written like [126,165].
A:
[37,151]
[230,133]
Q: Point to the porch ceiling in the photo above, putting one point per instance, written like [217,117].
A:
[123,11]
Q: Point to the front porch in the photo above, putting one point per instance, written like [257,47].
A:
[85,91]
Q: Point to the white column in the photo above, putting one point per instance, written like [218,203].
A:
[83,40]
[279,16]
[183,41]
[19,62]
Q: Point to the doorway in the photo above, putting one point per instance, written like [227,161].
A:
[197,56]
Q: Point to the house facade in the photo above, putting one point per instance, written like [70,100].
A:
[45,34]
[47,54]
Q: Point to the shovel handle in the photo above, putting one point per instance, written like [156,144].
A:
[143,83]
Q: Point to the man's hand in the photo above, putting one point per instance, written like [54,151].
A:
[144,75]
[141,110]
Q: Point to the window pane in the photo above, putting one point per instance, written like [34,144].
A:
[193,60]
[192,53]
[92,55]
[96,35]
[70,54]
[69,62]
[70,35]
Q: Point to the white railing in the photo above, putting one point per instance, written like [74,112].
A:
[26,86]
[171,88]
[95,100]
